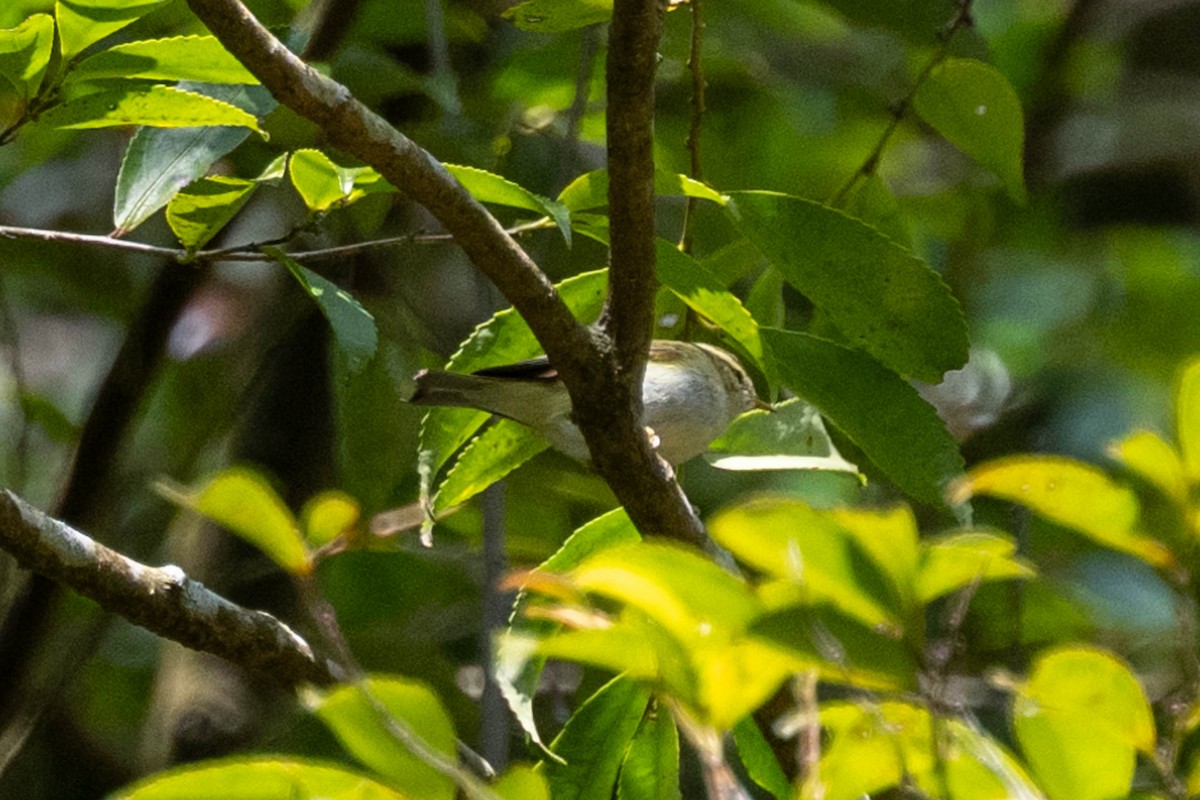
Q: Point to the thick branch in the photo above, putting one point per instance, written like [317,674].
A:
[160,599]
[632,62]
[357,130]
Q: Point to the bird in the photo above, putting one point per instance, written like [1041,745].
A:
[690,393]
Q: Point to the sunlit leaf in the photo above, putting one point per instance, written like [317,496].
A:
[521,782]
[198,213]
[790,540]
[732,679]
[155,106]
[650,770]
[874,408]
[179,58]
[890,537]
[243,501]
[259,778]
[25,53]
[353,326]
[879,295]
[323,184]
[1071,493]
[357,720]
[328,515]
[161,161]
[84,22]
[790,436]
[876,746]
[496,452]
[704,294]
[594,741]
[1081,719]
[491,188]
[1187,417]
[974,107]
[518,666]
[954,562]
[1154,460]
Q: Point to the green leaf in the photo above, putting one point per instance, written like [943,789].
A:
[487,187]
[161,161]
[1081,719]
[688,595]
[518,668]
[790,436]
[356,721]
[839,647]
[875,746]
[179,58]
[594,741]
[759,760]
[328,515]
[650,770]
[85,22]
[590,190]
[242,500]
[880,296]
[1187,417]
[156,106]
[954,562]
[198,213]
[503,339]
[704,294]
[1070,493]
[42,411]
[788,539]
[496,452]
[974,107]
[890,536]
[25,53]
[323,184]
[557,16]
[1152,458]
[258,778]
[353,326]
[874,408]
[521,782]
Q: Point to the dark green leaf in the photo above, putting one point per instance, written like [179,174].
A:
[353,326]
[490,188]
[790,436]
[874,407]
[880,296]
[199,212]
[496,452]
[161,161]
[650,770]
[557,16]
[759,760]
[594,741]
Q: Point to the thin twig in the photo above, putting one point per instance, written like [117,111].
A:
[696,70]
[245,252]
[961,19]
[18,466]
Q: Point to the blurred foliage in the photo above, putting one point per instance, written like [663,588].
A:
[1043,165]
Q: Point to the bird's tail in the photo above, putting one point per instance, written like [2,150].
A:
[436,388]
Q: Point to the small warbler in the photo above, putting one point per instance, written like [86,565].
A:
[690,394]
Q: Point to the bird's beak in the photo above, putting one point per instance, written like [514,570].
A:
[763,405]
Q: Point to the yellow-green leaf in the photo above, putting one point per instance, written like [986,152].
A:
[242,500]
[1081,719]
[1187,417]
[25,53]
[1156,461]
[156,106]
[200,211]
[257,778]
[1071,493]
[179,58]
[954,562]
[85,22]
[329,515]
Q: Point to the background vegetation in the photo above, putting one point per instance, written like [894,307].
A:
[961,663]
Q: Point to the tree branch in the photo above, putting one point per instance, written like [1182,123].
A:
[605,391]
[161,599]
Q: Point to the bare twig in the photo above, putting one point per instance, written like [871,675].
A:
[9,334]
[245,252]
[696,70]
[161,599]
[961,19]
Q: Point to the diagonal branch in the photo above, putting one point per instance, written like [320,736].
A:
[161,599]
